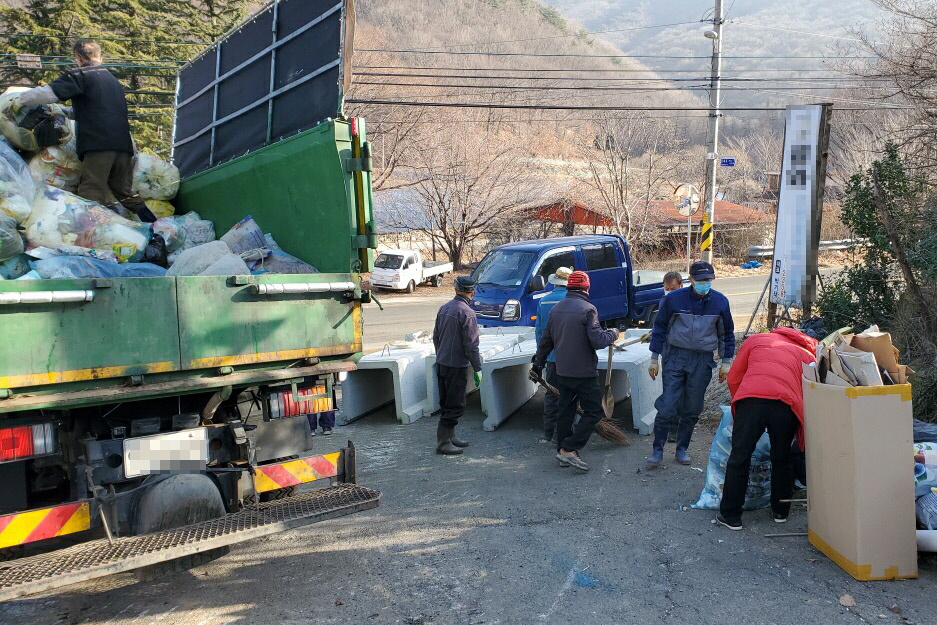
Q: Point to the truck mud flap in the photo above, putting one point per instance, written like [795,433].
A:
[100,558]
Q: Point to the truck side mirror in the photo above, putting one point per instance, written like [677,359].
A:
[537,283]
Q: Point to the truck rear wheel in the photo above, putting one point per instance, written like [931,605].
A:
[411,286]
[437,281]
[176,501]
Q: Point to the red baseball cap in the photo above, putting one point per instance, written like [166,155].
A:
[578,280]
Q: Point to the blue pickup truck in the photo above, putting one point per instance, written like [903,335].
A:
[513,278]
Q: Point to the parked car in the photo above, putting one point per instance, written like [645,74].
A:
[513,278]
[404,269]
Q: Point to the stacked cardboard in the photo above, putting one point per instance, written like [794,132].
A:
[858,423]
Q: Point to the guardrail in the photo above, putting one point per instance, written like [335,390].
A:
[761,251]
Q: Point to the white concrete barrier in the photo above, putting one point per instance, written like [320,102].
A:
[505,383]
[630,378]
[395,374]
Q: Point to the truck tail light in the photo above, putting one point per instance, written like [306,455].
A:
[283,405]
[27,441]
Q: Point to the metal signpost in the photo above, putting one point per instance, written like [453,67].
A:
[686,200]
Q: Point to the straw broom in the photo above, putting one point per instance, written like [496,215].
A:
[605,428]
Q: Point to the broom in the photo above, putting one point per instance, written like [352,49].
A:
[605,428]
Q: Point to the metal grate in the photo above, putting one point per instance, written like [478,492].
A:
[99,558]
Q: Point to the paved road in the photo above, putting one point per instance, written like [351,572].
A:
[404,314]
[502,535]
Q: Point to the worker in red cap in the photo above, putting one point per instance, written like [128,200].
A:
[573,333]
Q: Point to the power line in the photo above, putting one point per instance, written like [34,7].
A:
[606,79]
[586,70]
[130,39]
[548,107]
[616,89]
[588,56]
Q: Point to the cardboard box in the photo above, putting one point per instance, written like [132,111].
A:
[860,488]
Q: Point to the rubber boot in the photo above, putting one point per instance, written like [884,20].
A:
[660,438]
[443,444]
[457,442]
[684,435]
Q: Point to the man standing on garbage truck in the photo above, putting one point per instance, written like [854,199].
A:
[573,331]
[765,382]
[104,145]
[691,324]
[456,340]
[550,403]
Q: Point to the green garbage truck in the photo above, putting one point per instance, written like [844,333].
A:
[149,423]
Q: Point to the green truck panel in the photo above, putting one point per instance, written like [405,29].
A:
[130,328]
[295,194]
[251,328]
[298,189]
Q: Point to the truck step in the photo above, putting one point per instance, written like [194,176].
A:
[100,558]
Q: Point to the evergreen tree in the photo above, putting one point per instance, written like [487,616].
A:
[143,41]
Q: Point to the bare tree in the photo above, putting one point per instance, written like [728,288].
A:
[464,186]
[632,160]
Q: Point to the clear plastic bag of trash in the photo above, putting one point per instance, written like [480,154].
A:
[926,506]
[17,188]
[172,231]
[40,253]
[71,267]
[13,268]
[161,208]
[279,261]
[11,242]
[197,231]
[211,259]
[758,493]
[31,128]
[154,178]
[58,166]
[62,218]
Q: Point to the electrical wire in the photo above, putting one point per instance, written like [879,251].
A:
[177,43]
[590,56]
[488,105]
[588,70]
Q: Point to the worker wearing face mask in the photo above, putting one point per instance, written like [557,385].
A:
[691,324]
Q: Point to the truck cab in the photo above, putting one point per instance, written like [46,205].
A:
[513,278]
[401,270]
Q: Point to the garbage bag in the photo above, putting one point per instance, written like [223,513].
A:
[197,231]
[194,261]
[924,431]
[17,188]
[246,239]
[172,231]
[155,251]
[11,243]
[279,261]
[758,494]
[227,265]
[161,208]
[31,128]
[58,166]
[68,267]
[41,252]
[925,467]
[13,268]
[154,178]
[927,510]
[59,217]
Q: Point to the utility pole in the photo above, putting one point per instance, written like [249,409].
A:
[706,234]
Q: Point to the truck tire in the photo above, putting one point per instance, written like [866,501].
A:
[411,286]
[173,502]
[651,316]
[437,281]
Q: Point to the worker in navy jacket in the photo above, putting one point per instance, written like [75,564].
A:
[574,333]
[550,403]
[691,325]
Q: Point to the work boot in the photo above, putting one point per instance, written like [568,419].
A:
[443,444]
[684,435]
[660,438]
[455,441]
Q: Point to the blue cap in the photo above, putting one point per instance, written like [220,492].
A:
[464,284]
[701,270]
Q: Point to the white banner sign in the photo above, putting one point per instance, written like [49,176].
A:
[793,272]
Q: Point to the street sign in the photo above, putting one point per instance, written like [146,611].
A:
[28,61]
[686,199]
[727,162]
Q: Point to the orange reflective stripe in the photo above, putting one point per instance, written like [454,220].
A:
[294,472]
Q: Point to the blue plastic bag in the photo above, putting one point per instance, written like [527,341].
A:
[70,267]
[758,494]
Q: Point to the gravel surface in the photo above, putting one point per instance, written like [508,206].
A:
[503,535]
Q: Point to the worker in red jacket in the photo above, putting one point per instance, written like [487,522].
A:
[767,394]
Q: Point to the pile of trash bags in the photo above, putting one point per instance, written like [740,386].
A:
[49,232]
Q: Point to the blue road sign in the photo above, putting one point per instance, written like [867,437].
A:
[727,162]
